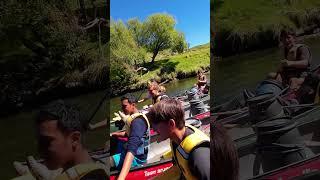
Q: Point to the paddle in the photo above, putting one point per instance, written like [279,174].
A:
[86,123]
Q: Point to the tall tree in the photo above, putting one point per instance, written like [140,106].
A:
[180,43]
[159,32]
[137,30]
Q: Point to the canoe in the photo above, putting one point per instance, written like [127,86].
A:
[302,170]
[204,98]
[307,124]
[155,165]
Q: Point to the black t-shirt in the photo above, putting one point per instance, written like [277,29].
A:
[199,159]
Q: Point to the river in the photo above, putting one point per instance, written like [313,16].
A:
[172,88]
[233,74]
[17,131]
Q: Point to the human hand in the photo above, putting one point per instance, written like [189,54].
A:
[123,117]
[285,63]
[21,169]
[40,171]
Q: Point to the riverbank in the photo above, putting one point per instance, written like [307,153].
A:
[300,38]
[171,68]
[166,68]
[252,25]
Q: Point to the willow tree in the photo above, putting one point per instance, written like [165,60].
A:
[179,44]
[124,55]
[159,33]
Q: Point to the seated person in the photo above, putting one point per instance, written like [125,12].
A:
[202,80]
[158,94]
[297,59]
[60,134]
[151,85]
[137,129]
[190,147]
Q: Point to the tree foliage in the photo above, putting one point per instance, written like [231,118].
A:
[159,34]
[130,42]
[125,55]
[43,43]
[179,44]
[137,30]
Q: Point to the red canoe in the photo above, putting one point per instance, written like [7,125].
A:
[154,169]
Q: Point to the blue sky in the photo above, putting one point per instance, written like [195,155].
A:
[193,17]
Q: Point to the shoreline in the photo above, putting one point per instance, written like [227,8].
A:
[143,86]
[63,93]
[299,38]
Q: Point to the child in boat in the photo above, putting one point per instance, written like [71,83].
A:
[138,133]
[190,147]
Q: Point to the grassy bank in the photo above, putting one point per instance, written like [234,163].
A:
[171,67]
[249,25]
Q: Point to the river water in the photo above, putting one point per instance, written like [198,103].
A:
[17,131]
[231,75]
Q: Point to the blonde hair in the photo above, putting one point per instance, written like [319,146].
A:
[162,89]
[152,83]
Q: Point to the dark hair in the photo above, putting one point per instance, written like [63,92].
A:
[165,110]
[67,115]
[224,155]
[287,32]
[130,97]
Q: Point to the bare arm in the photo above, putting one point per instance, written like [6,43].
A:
[119,134]
[299,64]
[303,56]
[126,166]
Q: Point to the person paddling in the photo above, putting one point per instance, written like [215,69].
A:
[190,147]
[137,129]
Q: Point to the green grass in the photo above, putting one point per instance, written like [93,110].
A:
[177,66]
[252,15]
[247,23]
